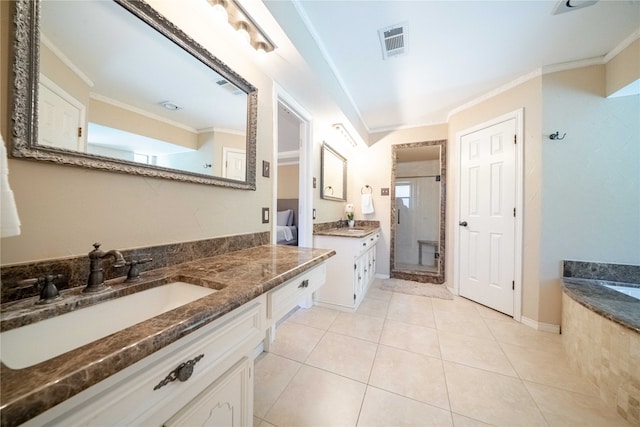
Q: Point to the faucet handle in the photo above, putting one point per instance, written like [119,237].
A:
[134,268]
[45,284]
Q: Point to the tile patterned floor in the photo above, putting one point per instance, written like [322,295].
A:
[415,361]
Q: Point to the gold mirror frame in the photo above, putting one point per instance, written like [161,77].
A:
[328,188]
[24,115]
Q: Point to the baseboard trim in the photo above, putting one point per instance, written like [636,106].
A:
[381,276]
[544,327]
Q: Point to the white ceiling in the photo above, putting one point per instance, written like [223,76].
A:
[458,51]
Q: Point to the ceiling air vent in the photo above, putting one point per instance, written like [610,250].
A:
[394,40]
[224,83]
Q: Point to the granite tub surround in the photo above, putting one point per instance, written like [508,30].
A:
[239,276]
[601,331]
[76,269]
[613,305]
[602,271]
[584,282]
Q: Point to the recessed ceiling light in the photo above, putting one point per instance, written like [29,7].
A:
[172,106]
[569,5]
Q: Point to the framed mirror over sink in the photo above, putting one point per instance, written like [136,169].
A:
[113,85]
[333,174]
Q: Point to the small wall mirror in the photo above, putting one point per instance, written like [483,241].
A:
[333,175]
[418,214]
[113,85]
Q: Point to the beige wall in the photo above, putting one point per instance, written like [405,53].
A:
[288,181]
[106,114]
[590,179]
[65,209]
[624,68]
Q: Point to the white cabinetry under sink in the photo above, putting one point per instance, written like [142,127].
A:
[217,386]
[349,273]
[204,378]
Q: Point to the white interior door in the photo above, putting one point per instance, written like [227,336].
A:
[60,119]
[487,216]
[235,164]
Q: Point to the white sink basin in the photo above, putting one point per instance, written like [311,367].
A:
[31,344]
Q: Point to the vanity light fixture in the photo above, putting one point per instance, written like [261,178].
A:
[339,127]
[242,22]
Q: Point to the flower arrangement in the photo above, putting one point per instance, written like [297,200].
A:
[348,209]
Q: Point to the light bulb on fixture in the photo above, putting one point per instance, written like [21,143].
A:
[261,48]
[339,127]
[220,10]
[243,32]
[237,17]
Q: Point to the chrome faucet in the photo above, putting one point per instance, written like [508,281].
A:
[340,223]
[96,273]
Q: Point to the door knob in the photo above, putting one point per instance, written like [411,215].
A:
[463,223]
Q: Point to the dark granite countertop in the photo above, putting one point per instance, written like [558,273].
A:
[360,231]
[239,276]
[616,306]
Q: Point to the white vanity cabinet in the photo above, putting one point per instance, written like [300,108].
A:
[349,273]
[218,392]
[295,292]
[215,361]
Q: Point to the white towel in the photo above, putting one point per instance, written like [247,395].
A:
[367,204]
[9,221]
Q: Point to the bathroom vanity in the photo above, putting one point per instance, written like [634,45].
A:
[190,365]
[351,271]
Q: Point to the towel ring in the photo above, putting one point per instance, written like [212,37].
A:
[366,187]
[328,190]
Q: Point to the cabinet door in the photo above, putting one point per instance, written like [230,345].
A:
[226,402]
[359,279]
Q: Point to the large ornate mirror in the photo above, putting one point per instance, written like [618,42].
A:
[333,175]
[418,214]
[113,85]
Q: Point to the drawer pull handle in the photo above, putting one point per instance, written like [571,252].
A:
[304,284]
[181,373]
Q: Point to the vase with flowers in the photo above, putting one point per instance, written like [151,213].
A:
[348,209]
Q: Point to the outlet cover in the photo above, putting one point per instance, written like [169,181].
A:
[265,215]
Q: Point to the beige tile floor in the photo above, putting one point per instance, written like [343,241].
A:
[416,361]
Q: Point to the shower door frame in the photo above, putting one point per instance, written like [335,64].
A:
[416,275]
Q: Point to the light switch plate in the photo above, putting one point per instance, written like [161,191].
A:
[265,215]
[384,191]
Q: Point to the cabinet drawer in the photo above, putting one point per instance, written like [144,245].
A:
[284,298]
[369,241]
